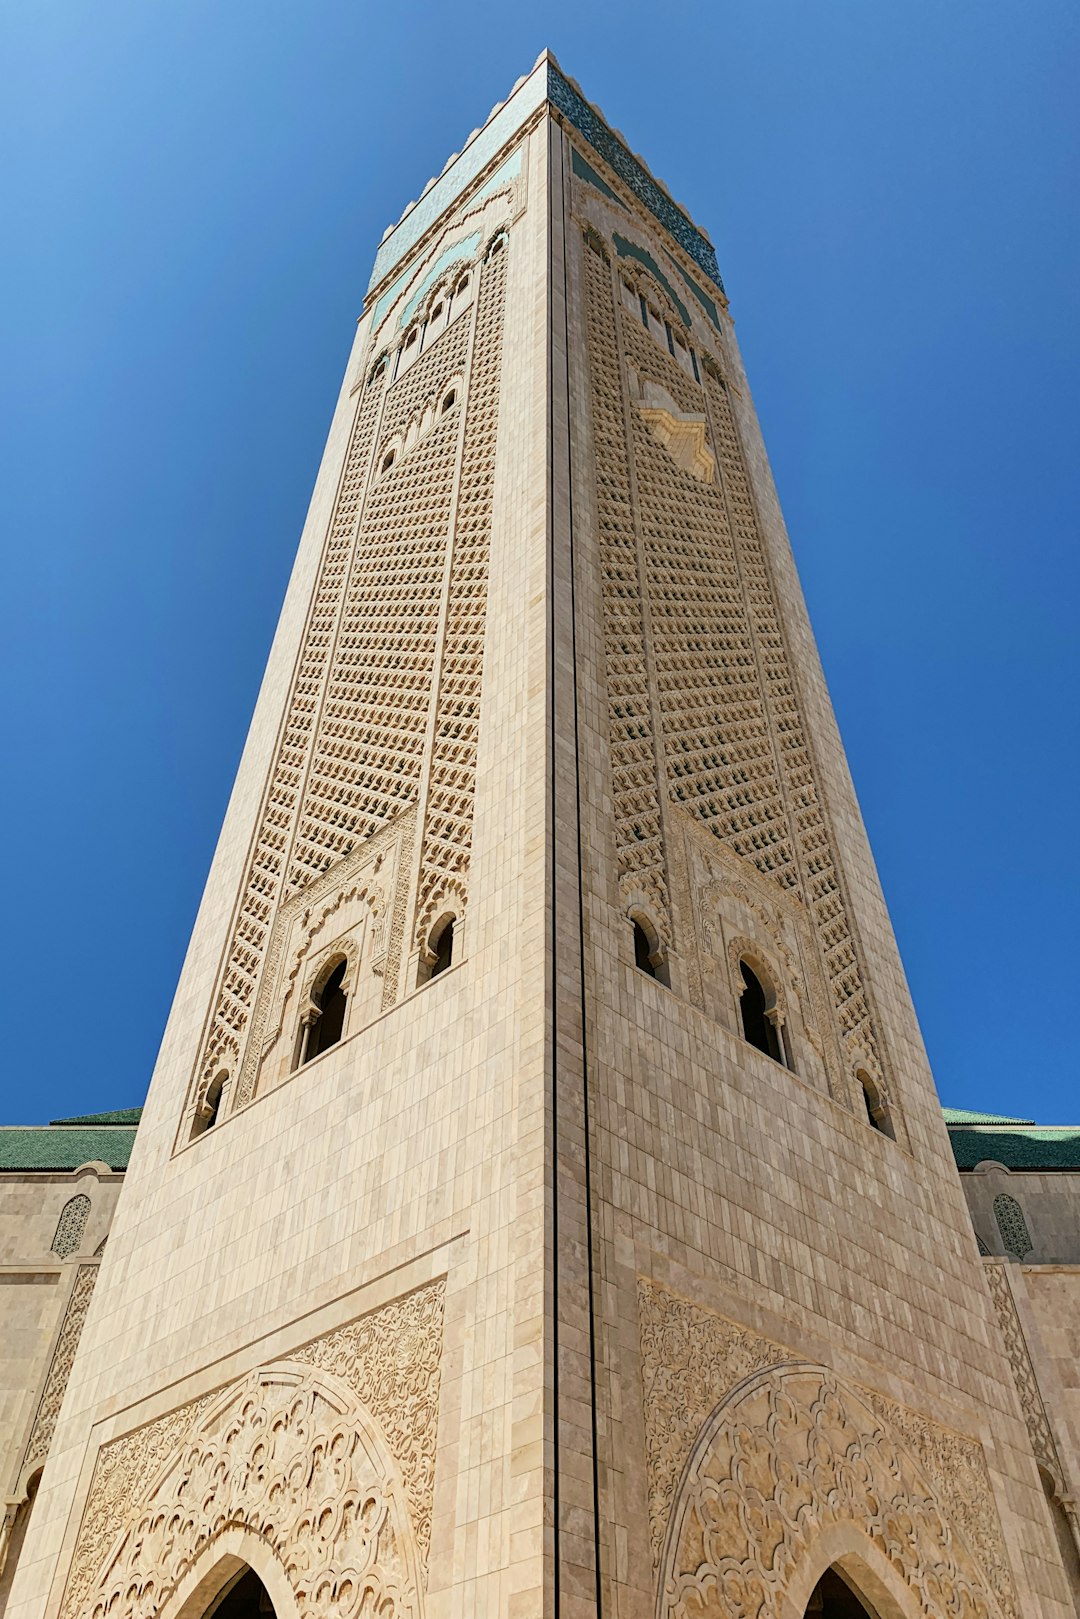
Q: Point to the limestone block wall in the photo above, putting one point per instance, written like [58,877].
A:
[1033,1216]
[340,1261]
[758,1247]
[53,1228]
[542,1289]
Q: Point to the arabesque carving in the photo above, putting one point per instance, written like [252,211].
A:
[290,1457]
[642,865]
[700,677]
[1027,1384]
[750,1457]
[447,841]
[37,1447]
[329,1456]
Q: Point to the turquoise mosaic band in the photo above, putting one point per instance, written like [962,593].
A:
[544,84]
[577,111]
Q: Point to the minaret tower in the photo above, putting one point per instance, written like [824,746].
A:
[542,1204]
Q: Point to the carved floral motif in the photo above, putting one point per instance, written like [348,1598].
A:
[60,1368]
[751,1457]
[328,1456]
[1027,1385]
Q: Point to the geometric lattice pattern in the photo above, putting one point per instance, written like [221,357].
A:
[449,812]
[351,751]
[735,751]
[71,1225]
[1015,1237]
[638,826]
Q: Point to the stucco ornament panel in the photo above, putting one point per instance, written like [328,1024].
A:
[52,1394]
[1027,1385]
[328,1456]
[751,1458]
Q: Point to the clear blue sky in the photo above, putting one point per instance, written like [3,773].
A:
[194,193]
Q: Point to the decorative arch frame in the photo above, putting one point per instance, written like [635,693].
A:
[211,1103]
[223,1054]
[763,964]
[219,1565]
[285,1471]
[795,1472]
[644,283]
[642,916]
[866,1077]
[345,949]
[497,241]
[648,901]
[444,904]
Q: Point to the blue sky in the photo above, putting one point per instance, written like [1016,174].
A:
[195,192]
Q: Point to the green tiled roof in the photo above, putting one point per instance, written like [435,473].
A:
[1016,1143]
[960,1115]
[65,1144]
[122,1115]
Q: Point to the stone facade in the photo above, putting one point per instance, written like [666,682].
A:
[538,1284]
[58,1189]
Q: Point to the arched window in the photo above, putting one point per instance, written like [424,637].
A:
[833,1598]
[462,286]
[411,339]
[648,951]
[436,312]
[70,1226]
[213,1101]
[377,369]
[759,1029]
[877,1110]
[449,401]
[1062,1530]
[439,952]
[442,947]
[209,1114]
[329,1024]
[244,1597]
[388,460]
[1015,1237]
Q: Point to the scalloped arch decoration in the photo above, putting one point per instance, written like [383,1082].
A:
[791,1457]
[291,1457]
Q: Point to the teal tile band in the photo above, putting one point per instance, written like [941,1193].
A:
[562,95]
[590,176]
[546,83]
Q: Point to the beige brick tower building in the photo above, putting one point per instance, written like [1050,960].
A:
[542,1205]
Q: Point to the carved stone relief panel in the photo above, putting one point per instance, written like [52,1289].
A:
[700,678]
[328,1456]
[751,1457]
[1027,1384]
[352,754]
[44,1425]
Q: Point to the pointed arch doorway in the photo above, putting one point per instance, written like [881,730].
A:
[245,1597]
[833,1598]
